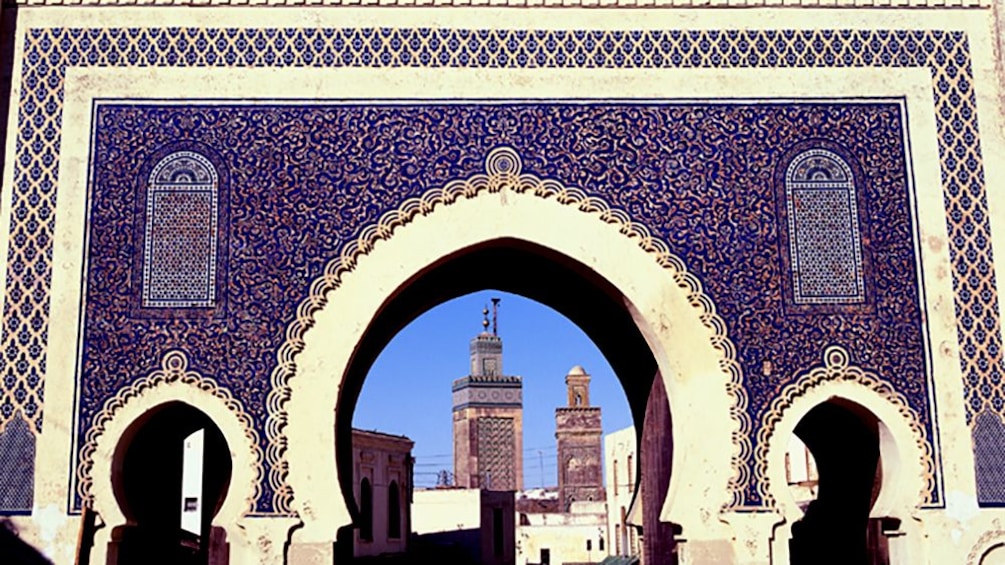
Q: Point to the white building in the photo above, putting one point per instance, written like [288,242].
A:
[801,472]
[621,465]
[577,536]
[469,524]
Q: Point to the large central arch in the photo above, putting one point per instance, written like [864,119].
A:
[519,267]
[651,318]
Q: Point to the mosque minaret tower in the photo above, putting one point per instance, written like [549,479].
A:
[488,417]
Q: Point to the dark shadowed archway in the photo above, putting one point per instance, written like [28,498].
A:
[147,476]
[844,440]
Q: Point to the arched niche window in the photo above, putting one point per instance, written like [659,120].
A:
[393,511]
[17,461]
[180,233]
[365,510]
[825,241]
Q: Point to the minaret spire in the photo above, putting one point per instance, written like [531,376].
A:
[495,316]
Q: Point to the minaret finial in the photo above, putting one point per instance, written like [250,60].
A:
[485,319]
[495,316]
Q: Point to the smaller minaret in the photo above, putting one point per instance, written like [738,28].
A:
[578,384]
[580,451]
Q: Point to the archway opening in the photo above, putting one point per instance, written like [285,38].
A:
[539,274]
[843,439]
[171,472]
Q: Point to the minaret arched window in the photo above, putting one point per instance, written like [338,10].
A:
[365,510]
[180,233]
[393,511]
[825,241]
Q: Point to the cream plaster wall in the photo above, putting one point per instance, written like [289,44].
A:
[445,510]
[565,535]
[620,474]
[695,382]
[996,556]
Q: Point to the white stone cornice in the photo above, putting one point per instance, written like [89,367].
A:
[619,4]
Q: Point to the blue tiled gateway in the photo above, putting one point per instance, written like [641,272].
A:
[774,221]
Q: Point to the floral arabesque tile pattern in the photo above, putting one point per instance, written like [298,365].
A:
[312,177]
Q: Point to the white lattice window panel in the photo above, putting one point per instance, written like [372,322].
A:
[180,236]
[825,240]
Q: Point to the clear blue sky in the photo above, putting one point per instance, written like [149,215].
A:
[407,391]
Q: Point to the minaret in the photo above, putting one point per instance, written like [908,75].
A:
[579,435]
[488,417]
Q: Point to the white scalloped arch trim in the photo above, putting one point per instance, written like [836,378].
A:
[502,169]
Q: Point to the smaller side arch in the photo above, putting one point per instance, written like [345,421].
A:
[906,455]
[173,382]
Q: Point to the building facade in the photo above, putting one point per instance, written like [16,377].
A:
[382,481]
[764,207]
[488,419]
[621,460]
[577,536]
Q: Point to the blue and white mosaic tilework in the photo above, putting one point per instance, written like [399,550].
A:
[309,188]
[180,235]
[824,238]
